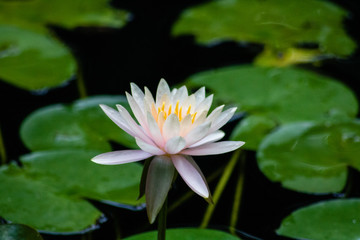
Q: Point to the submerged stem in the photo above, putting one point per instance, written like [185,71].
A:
[237,196]
[81,84]
[162,221]
[220,188]
[2,149]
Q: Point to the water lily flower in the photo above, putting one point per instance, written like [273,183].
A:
[173,127]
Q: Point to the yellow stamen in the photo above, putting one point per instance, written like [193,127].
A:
[163,107]
[188,111]
[177,108]
[180,114]
[193,117]
[169,112]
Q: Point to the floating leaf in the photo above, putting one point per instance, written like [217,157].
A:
[186,234]
[30,56]
[33,60]
[81,125]
[327,220]
[280,94]
[18,232]
[272,23]
[49,192]
[311,157]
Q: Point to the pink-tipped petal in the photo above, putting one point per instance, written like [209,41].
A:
[150,148]
[158,182]
[222,119]
[197,133]
[138,130]
[192,175]
[212,137]
[155,131]
[171,127]
[175,145]
[120,157]
[163,89]
[117,119]
[213,148]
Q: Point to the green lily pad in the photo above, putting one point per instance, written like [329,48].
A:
[64,13]
[81,125]
[49,192]
[33,60]
[18,232]
[272,23]
[327,220]
[311,157]
[30,56]
[281,95]
[252,130]
[186,234]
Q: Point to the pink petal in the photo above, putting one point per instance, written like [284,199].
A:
[213,148]
[175,145]
[138,130]
[117,119]
[213,137]
[197,133]
[163,89]
[222,119]
[120,157]
[171,127]
[191,173]
[155,131]
[150,148]
[158,182]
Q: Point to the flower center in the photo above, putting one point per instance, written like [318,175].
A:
[164,111]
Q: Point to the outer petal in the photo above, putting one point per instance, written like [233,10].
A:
[215,113]
[175,145]
[200,95]
[120,157]
[213,148]
[150,148]
[118,119]
[171,127]
[212,137]
[163,89]
[222,119]
[205,104]
[138,96]
[139,114]
[191,173]
[158,183]
[197,133]
[133,125]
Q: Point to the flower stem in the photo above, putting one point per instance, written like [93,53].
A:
[162,222]
[220,188]
[2,149]
[237,196]
[81,84]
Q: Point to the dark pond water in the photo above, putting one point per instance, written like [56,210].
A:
[143,52]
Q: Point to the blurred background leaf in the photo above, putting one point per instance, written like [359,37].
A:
[272,23]
[327,220]
[18,232]
[311,157]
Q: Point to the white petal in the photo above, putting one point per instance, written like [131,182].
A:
[200,95]
[222,119]
[180,95]
[213,137]
[149,100]
[137,111]
[185,125]
[133,125]
[213,148]
[197,133]
[163,89]
[175,145]
[215,113]
[158,182]
[150,148]
[191,173]
[155,131]
[205,104]
[120,157]
[138,96]
[118,119]
[199,119]
[171,127]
